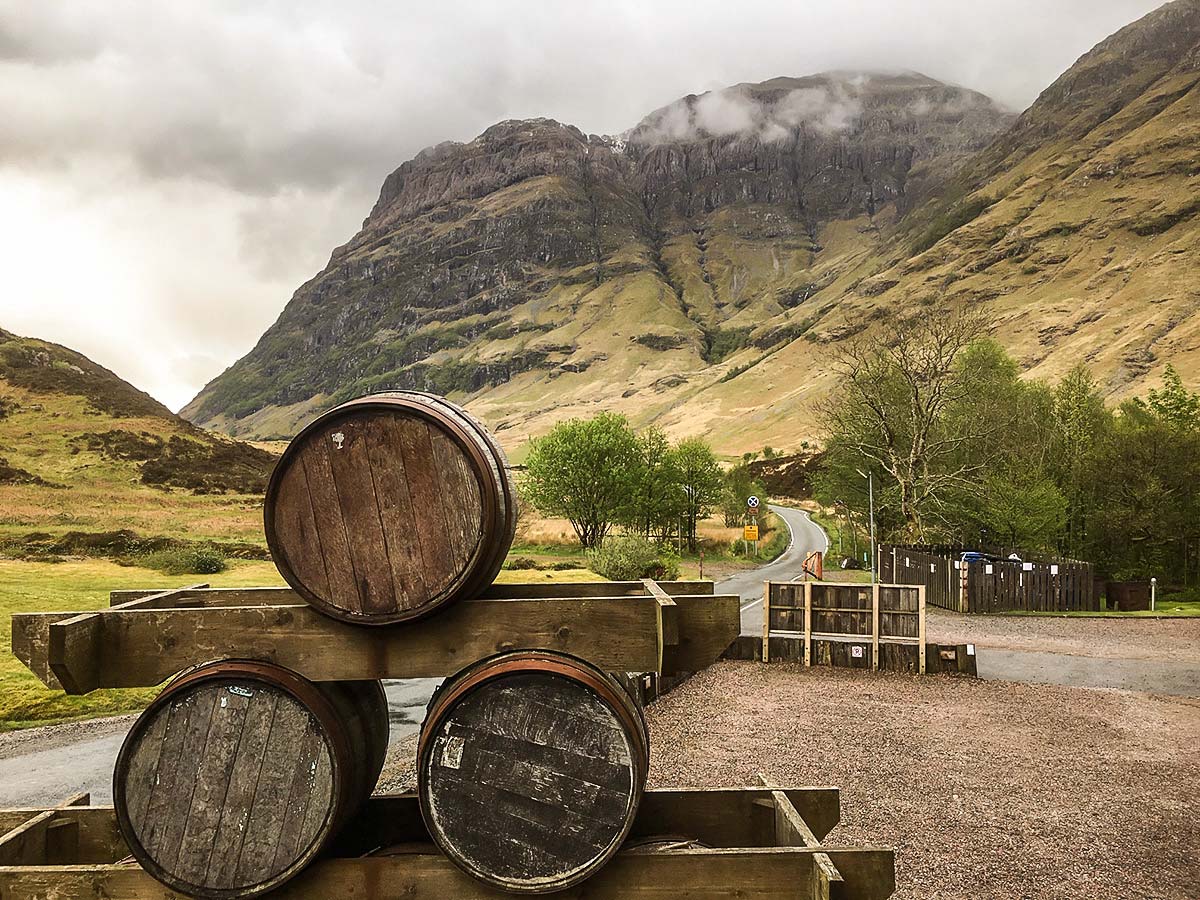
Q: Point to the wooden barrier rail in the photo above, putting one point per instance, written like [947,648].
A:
[841,622]
[147,636]
[763,842]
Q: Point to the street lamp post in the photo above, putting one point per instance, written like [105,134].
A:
[870,476]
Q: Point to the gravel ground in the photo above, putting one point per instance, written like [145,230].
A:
[985,789]
[1175,639]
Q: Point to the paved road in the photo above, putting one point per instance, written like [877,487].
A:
[1161,676]
[807,536]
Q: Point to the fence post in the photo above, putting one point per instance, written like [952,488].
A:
[875,620]
[921,627]
[808,623]
[766,654]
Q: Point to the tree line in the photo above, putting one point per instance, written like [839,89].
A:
[965,451]
[600,473]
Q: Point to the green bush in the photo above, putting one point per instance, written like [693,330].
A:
[631,557]
[185,561]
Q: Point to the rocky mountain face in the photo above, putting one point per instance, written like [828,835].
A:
[695,271]
[552,271]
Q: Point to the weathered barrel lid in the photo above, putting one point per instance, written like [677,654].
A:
[530,769]
[229,783]
[388,506]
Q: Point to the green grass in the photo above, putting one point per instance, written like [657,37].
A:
[1168,609]
[83,585]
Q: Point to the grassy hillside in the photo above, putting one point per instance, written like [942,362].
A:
[83,452]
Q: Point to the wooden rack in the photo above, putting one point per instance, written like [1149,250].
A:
[762,842]
[146,636]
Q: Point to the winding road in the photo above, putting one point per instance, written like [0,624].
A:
[807,536]
[44,765]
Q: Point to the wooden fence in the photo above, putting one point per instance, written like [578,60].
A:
[1036,587]
[935,572]
[875,626]
[992,586]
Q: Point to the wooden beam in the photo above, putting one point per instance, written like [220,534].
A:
[791,830]
[100,839]
[708,874]
[136,647]
[26,844]
[921,627]
[766,654]
[718,817]
[285,596]
[666,620]
[860,638]
[875,621]
[153,599]
[808,623]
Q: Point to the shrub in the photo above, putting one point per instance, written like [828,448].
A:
[186,561]
[631,557]
[521,562]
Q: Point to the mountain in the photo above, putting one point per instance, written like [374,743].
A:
[81,450]
[697,271]
[538,271]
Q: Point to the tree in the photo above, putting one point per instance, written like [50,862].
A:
[584,470]
[656,502]
[739,484]
[1081,425]
[1173,404]
[701,482]
[898,408]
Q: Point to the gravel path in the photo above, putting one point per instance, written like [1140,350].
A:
[985,789]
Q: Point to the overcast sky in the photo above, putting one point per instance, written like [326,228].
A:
[170,172]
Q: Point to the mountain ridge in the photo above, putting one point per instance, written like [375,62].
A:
[691,272]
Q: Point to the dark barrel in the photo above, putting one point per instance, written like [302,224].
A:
[530,768]
[238,773]
[390,506]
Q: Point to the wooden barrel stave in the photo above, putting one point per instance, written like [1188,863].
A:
[237,774]
[388,507]
[530,768]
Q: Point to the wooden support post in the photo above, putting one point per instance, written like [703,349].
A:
[29,844]
[921,627]
[667,619]
[808,623]
[875,625]
[766,654]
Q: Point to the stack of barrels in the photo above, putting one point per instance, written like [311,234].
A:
[530,764]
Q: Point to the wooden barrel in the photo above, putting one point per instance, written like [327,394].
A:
[390,506]
[530,768]
[238,773]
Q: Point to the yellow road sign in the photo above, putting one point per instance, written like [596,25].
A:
[751,533]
